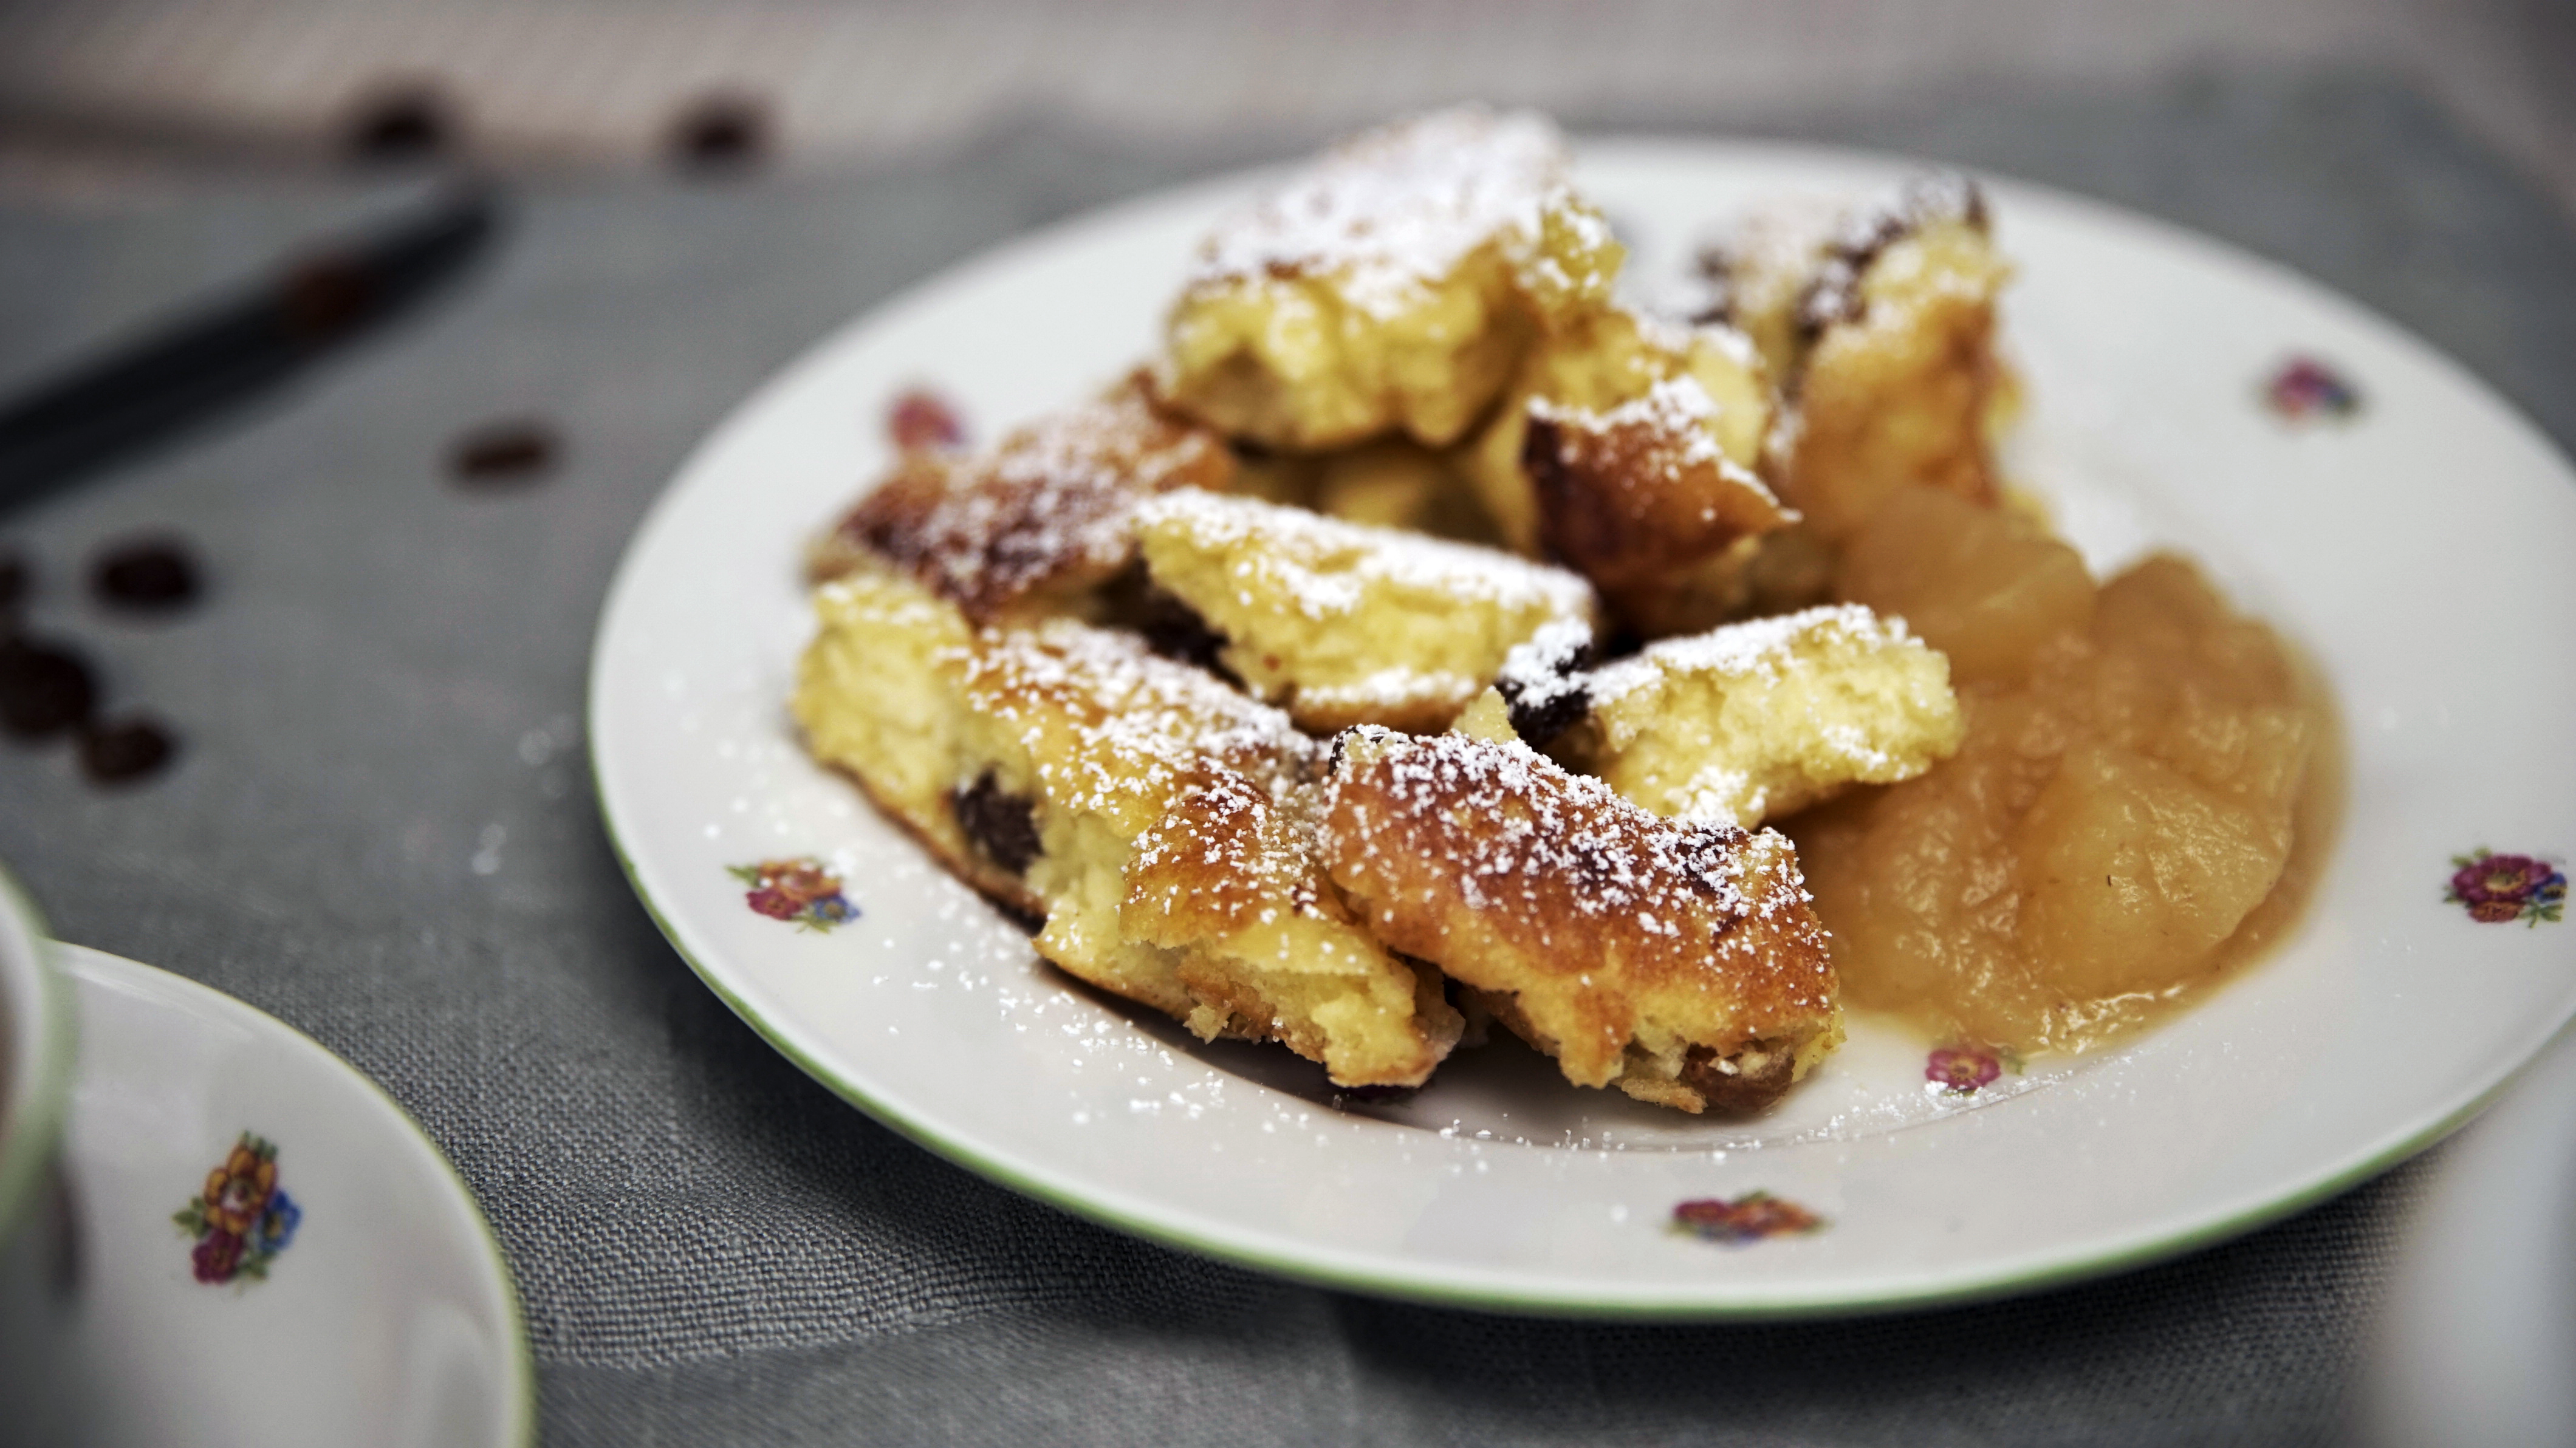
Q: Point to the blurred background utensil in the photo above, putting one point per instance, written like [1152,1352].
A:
[233,348]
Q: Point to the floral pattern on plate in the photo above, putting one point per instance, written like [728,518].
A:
[243,1218]
[800,890]
[1748,1218]
[2496,889]
[1966,1068]
[2305,388]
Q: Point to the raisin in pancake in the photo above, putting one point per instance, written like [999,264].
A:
[1679,962]
[1392,285]
[1037,520]
[1883,333]
[876,696]
[1033,759]
[1758,720]
[1343,624]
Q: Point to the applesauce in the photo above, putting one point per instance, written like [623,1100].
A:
[2141,801]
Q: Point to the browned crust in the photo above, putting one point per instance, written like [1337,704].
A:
[1519,878]
[1629,501]
[1043,511]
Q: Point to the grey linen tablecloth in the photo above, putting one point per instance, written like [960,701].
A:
[382,831]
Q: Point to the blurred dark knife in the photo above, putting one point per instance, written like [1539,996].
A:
[230,350]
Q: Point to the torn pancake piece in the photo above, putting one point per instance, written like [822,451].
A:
[1032,760]
[1035,521]
[877,697]
[1882,331]
[1341,623]
[1685,383]
[1758,720]
[1677,961]
[1391,285]
[1229,877]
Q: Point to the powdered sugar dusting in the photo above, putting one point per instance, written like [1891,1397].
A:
[1054,499]
[1762,647]
[1510,826]
[1326,565]
[1395,209]
[1139,721]
[1679,413]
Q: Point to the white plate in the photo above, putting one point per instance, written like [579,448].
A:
[2417,550]
[383,1312]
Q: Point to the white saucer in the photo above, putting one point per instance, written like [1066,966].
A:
[383,1314]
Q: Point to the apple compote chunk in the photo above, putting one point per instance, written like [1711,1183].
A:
[2128,794]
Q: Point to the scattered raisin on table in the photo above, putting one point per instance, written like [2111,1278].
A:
[504,453]
[403,122]
[44,690]
[145,575]
[721,133]
[125,751]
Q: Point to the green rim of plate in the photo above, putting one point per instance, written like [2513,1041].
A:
[35,1124]
[1145,1223]
[523,1362]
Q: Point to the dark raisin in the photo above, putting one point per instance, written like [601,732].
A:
[1539,716]
[401,123]
[145,575]
[43,690]
[1002,826]
[503,454]
[1371,1095]
[1177,631]
[123,752]
[721,133]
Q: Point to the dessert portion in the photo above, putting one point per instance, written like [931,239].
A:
[1340,623]
[1037,521]
[1139,808]
[1758,720]
[1676,961]
[1881,327]
[1392,286]
[1093,668]
[2129,791]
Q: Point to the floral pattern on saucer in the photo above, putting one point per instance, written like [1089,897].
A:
[2305,388]
[800,890]
[1748,1218]
[243,1218]
[2496,889]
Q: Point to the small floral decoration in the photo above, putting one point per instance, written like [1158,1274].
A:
[243,1218]
[2498,888]
[2306,388]
[800,890]
[1749,1218]
[923,421]
[1963,1069]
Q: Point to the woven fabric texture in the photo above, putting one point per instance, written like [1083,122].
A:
[381,830]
